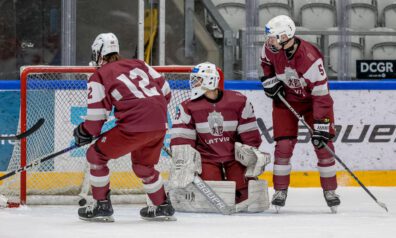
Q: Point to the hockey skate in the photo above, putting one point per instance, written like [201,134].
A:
[279,199]
[101,211]
[332,200]
[162,212]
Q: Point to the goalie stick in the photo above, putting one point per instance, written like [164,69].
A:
[27,133]
[381,204]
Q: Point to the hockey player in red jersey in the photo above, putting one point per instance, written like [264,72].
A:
[139,95]
[217,130]
[294,68]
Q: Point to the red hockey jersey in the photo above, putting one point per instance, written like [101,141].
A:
[138,93]
[303,76]
[213,126]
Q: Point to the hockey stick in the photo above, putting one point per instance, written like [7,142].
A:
[27,133]
[209,194]
[38,162]
[300,118]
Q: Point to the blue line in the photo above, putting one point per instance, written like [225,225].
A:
[334,85]
[229,84]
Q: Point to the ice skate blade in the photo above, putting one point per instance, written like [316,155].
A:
[98,219]
[333,209]
[160,218]
[277,209]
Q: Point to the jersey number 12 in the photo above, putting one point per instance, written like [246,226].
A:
[140,91]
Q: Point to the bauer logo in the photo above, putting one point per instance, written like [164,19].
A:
[344,133]
[77,116]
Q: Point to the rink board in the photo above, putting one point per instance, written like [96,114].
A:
[366,137]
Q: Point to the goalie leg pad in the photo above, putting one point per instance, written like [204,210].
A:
[258,200]
[189,199]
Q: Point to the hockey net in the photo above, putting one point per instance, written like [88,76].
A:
[58,94]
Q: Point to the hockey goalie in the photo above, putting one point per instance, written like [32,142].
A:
[215,136]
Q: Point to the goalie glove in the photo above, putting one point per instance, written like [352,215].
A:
[254,160]
[186,163]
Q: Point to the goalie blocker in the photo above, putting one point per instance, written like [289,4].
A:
[186,164]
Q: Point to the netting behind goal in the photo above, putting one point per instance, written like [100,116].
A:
[58,94]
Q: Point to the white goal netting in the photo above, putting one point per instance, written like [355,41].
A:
[58,94]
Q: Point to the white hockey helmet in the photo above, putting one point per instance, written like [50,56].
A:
[203,77]
[104,44]
[278,26]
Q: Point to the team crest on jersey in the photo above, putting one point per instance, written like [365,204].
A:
[215,120]
[292,79]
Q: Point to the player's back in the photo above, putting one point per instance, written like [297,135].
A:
[135,92]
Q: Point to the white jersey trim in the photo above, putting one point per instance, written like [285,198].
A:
[153,187]
[97,94]
[320,90]
[97,114]
[204,127]
[248,111]
[251,126]
[99,181]
[183,133]
[313,74]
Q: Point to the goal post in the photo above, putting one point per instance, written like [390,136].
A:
[58,94]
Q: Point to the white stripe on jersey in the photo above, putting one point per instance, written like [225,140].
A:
[204,127]
[153,72]
[316,72]
[251,126]
[116,95]
[183,133]
[99,181]
[165,88]
[97,93]
[247,111]
[97,114]
[327,172]
[153,187]
[320,90]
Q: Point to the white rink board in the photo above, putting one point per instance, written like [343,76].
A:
[358,108]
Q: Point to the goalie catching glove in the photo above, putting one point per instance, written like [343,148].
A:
[254,160]
[186,163]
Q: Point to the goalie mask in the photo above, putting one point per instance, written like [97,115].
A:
[275,28]
[204,77]
[104,44]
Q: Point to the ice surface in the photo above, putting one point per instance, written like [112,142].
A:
[305,215]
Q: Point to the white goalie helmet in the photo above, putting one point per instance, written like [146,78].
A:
[278,26]
[104,44]
[203,77]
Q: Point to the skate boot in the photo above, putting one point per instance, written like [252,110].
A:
[101,211]
[279,199]
[332,200]
[163,212]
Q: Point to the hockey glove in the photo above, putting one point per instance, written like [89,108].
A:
[272,86]
[321,133]
[81,136]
